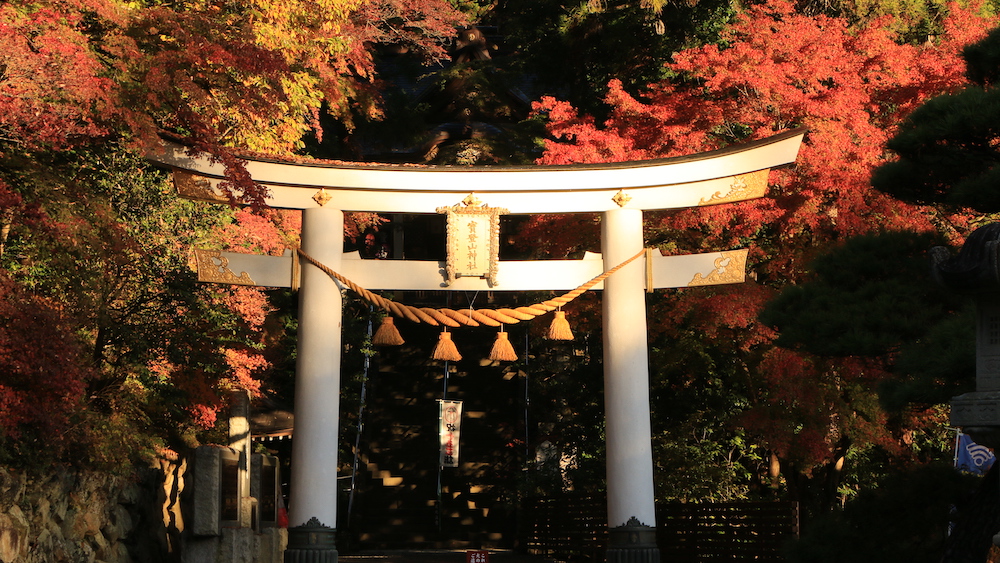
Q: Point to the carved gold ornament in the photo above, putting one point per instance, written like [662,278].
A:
[192,186]
[322,197]
[473,240]
[744,187]
[213,267]
[729,268]
[621,198]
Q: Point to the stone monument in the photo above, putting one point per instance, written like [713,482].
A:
[975,271]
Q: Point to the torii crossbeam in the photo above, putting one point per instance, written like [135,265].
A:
[620,192]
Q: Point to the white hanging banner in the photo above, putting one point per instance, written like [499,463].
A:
[450,418]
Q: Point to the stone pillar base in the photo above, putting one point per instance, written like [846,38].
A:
[311,542]
[634,542]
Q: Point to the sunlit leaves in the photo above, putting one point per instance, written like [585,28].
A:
[849,84]
[94,243]
[217,74]
[948,148]
[52,91]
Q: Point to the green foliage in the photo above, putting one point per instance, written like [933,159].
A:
[983,60]
[115,441]
[360,322]
[946,149]
[103,237]
[574,49]
[915,21]
[473,9]
[699,387]
[927,437]
[867,297]
[904,519]
[937,366]
[470,112]
[695,463]
[567,409]
[947,153]
[873,296]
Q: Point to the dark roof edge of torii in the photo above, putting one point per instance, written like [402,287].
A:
[252,156]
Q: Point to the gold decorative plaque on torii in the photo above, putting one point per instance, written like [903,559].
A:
[214,267]
[730,267]
[743,187]
[473,243]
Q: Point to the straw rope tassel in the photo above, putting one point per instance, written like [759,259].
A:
[502,348]
[387,333]
[649,270]
[559,329]
[445,348]
[296,271]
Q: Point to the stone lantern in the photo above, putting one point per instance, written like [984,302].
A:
[975,271]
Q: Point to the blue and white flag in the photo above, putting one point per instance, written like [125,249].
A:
[971,457]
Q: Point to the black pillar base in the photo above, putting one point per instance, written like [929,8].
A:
[634,542]
[311,542]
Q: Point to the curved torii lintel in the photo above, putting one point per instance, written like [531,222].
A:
[735,173]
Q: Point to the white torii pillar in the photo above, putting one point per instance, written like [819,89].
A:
[312,516]
[620,191]
[631,510]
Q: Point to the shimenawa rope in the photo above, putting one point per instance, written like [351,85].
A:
[467,317]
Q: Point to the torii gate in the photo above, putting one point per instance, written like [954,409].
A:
[619,191]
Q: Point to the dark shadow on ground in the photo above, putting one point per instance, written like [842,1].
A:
[438,556]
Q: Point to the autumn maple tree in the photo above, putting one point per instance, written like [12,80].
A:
[256,74]
[34,346]
[849,85]
[946,150]
[95,239]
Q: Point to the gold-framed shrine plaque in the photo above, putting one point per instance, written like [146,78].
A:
[473,240]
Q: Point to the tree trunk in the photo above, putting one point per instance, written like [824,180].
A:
[6,220]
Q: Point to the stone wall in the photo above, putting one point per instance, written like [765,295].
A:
[87,517]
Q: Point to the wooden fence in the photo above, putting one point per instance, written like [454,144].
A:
[734,531]
[568,527]
[573,527]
